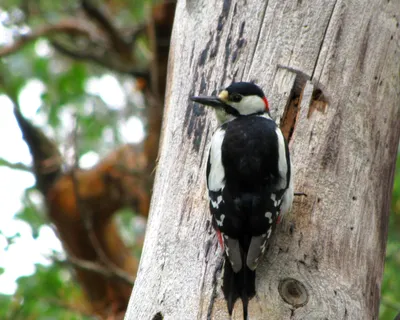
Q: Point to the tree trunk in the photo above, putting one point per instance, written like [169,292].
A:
[341,113]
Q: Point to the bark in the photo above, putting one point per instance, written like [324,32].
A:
[342,115]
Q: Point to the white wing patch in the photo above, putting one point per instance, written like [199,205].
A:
[282,162]
[287,199]
[220,222]
[216,177]
[276,202]
[216,203]
[268,215]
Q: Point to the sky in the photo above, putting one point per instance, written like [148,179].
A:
[19,258]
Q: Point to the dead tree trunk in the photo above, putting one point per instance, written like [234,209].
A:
[342,115]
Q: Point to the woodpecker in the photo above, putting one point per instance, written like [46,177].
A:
[249,182]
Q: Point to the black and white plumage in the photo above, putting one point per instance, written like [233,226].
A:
[249,181]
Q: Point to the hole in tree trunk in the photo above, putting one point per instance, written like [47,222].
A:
[158,316]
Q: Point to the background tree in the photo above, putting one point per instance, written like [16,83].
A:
[331,71]
[80,204]
[66,46]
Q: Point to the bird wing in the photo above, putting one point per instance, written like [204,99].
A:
[277,203]
[220,200]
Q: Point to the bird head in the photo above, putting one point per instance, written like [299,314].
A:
[239,99]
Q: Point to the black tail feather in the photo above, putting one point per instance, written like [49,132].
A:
[238,285]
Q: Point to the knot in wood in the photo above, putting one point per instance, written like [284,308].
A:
[293,292]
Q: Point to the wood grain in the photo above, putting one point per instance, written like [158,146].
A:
[331,248]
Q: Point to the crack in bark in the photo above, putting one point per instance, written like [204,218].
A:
[323,39]
[258,36]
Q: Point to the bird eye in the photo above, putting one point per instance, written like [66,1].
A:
[235,97]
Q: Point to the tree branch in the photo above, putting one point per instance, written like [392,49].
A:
[136,31]
[96,268]
[71,26]
[16,165]
[100,57]
[75,308]
[110,270]
[120,44]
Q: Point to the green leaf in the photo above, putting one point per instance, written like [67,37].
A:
[40,69]
[33,218]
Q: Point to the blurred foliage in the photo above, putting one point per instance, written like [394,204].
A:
[390,301]
[49,293]
[65,96]
[132,228]
[67,103]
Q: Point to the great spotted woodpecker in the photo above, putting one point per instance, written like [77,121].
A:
[249,181]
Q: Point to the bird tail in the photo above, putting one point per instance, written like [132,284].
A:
[238,285]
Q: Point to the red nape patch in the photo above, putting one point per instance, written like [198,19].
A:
[266,104]
[278,220]
[220,240]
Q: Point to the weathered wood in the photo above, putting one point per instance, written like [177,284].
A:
[344,152]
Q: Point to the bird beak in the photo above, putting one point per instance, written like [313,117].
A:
[214,102]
